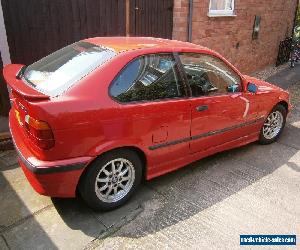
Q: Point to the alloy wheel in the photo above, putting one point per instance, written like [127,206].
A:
[114,180]
[273,125]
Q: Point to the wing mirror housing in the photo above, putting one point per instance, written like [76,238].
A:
[252,88]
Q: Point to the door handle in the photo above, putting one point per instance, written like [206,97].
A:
[202,108]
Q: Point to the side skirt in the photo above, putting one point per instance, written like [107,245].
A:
[179,163]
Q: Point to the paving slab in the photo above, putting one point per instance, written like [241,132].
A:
[252,210]
[127,212]
[8,158]
[293,118]
[3,245]
[52,230]
[18,200]
[291,135]
[295,95]
[266,158]
[227,172]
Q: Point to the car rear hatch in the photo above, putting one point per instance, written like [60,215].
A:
[34,86]
[23,97]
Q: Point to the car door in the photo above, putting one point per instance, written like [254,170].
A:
[220,112]
[154,101]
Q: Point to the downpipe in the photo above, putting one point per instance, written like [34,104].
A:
[190,21]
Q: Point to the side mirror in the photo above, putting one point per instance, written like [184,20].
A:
[252,88]
[233,88]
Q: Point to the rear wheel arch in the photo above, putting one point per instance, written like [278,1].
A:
[140,153]
[103,186]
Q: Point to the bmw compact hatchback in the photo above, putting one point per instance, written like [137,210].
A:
[97,117]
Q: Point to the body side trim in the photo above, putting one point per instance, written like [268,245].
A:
[199,136]
[49,170]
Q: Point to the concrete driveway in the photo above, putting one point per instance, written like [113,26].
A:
[254,189]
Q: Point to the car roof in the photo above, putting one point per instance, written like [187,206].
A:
[122,44]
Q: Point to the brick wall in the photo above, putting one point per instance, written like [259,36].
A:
[232,36]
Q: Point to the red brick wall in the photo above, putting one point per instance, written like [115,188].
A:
[223,34]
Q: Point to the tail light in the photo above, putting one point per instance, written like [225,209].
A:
[39,132]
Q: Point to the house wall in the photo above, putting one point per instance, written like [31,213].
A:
[232,36]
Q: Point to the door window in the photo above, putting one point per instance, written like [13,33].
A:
[148,78]
[208,75]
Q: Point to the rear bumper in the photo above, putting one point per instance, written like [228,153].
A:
[50,178]
[42,167]
[57,184]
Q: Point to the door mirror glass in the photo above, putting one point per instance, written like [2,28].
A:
[233,88]
[252,88]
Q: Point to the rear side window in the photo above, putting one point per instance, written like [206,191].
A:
[54,74]
[148,78]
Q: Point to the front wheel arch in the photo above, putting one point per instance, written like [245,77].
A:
[277,108]
[284,104]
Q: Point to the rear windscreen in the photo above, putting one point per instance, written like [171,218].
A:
[54,74]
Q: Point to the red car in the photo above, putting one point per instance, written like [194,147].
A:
[100,115]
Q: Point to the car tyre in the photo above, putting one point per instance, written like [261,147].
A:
[273,125]
[111,179]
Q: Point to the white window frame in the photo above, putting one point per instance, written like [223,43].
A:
[216,13]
